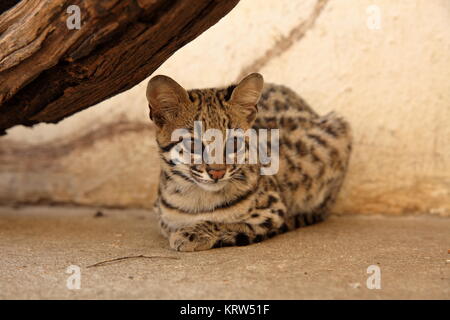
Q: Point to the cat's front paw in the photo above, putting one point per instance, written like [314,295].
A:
[190,240]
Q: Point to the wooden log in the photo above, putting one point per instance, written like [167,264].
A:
[49,71]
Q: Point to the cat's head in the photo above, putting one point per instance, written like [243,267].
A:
[180,115]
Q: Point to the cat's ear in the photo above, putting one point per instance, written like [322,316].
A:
[247,94]
[165,99]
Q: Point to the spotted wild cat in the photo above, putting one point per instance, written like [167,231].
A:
[204,206]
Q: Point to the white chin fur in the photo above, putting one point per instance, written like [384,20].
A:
[211,186]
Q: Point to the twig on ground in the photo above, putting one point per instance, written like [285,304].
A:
[107,262]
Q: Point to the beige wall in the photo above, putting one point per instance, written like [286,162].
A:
[392,83]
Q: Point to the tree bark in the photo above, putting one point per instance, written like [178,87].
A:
[49,72]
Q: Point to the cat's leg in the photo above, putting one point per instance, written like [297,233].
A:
[164,228]
[256,225]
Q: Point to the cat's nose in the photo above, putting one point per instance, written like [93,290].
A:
[216,174]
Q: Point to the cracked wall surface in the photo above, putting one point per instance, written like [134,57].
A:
[390,80]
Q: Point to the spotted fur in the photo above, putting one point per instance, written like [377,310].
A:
[197,212]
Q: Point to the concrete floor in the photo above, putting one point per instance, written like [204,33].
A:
[326,261]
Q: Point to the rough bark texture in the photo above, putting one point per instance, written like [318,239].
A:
[49,72]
